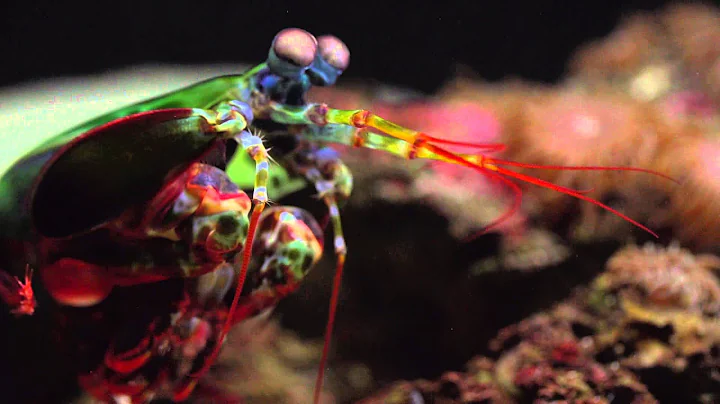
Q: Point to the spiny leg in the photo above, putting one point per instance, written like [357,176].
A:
[253,145]
[341,253]
[333,181]
[216,208]
[298,61]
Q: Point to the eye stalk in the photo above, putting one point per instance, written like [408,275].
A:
[332,58]
[292,51]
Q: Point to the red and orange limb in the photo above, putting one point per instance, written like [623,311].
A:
[17,294]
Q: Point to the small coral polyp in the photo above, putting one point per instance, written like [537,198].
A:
[669,278]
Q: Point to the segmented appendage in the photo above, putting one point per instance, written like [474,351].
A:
[17,294]
[412,144]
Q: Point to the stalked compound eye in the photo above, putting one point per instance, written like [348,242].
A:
[332,59]
[292,51]
[296,46]
[334,51]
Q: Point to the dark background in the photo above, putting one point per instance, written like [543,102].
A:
[415,44]
[409,43]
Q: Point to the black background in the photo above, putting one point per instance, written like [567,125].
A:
[409,43]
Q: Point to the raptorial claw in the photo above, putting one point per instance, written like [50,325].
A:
[221,233]
[202,207]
